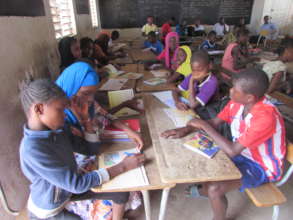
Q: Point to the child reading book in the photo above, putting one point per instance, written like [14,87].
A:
[153,43]
[210,42]
[199,87]
[47,159]
[258,144]
[276,70]
[183,63]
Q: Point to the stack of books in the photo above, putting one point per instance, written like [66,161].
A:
[112,134]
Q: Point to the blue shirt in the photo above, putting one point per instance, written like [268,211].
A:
[207,45]
[157,47]
[47,160]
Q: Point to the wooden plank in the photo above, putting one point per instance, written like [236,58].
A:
[266,195]
[289,155]
[178,164]
[151,166]
[139,55]
[283,98]
[142,87]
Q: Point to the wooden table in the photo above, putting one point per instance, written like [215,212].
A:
[142,87]
[137,54]
[178,164]
[151,168]
[131,83]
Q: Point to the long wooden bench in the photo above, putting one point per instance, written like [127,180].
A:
[269,195]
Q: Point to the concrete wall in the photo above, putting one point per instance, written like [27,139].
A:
[25,42]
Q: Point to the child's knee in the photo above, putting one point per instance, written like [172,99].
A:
[214,190]
[121,198]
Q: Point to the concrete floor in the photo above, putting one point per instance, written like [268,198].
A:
[240,207]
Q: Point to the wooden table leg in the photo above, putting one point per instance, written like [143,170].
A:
[147,204]
[164,201]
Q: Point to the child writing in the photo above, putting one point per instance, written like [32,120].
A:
[258,144]
[47,159]
[80,82]
[199,87]
[276,70]
[210,42]
[183,63]
[153,43]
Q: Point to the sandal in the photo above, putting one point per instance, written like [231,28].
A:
[192,191]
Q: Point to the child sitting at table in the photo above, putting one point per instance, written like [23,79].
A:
[258,144]
[169,54]
[276,70]
[183,62]
[210,42]
[153,43]
[69,50]
[199,87]
[236,57]
[47,158]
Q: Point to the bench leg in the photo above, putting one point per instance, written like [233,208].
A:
[147,204]
[164,202]
[275,212]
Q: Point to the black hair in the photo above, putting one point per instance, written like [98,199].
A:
[84,42]
[152,34]
[115,35]
[242,32]
[211,33]
[38,91]
[285,43]
[201,57]
[103,41]
[173,19]
[66,55]
[253,81]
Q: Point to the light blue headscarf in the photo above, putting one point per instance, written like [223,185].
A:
[72,79]
[76,76]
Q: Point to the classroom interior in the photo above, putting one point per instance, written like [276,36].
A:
[30,32]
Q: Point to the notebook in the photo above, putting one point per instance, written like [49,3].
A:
[178,117]
[118,97]
[113,71]
[132,178]
[202,144]
[113,84]
[155,81]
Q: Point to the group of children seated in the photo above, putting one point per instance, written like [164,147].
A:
[64,119]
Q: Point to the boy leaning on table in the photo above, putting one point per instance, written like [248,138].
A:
[258,143]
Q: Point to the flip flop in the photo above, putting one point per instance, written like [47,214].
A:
[193,192]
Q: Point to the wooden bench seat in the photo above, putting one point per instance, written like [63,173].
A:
[266,195]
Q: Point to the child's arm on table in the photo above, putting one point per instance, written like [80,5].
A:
[173,77]
[132,134]
[180,105]
[230,148]
[193,103]
[275,81]
[184,131]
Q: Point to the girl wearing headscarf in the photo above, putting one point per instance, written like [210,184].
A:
[169,54]
[183,62]
[69,51]
[80,83]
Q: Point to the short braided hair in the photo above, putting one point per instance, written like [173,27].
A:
[38,91]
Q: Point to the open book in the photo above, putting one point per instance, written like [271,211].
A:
[118,97]
[112,70]
[113,84]
[132,178]
[180,118]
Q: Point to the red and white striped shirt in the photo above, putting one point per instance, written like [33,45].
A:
[262,132]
